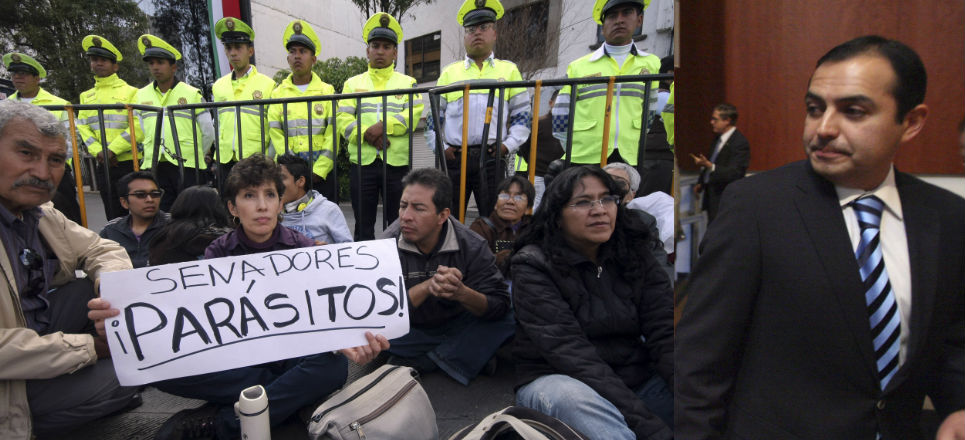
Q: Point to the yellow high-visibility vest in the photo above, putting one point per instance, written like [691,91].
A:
[322,153]
[627,108]
[109,90]
[182,93]
[252,85]
[667,116]
[397,122]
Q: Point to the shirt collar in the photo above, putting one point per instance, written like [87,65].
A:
[725,136]
[449,242]
[491,59]
[251,70]
[173,85]
[7,218]
[887,192]
[601,51]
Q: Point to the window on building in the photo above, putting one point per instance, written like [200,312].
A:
[527,37]
[422,56]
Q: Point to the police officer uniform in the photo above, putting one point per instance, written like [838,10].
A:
[626,123]
[291,133]
[107,90]
[167,157]
[353,120]
[240,86]
[516,111]
[65,200]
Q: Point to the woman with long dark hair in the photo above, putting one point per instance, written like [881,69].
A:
[594,312]
[198,216]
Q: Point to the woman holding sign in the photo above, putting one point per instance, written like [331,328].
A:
[253,193]
[594,313]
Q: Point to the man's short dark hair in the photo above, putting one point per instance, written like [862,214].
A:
[666,64]
[911,79]
[727,111]
[296,166]
[123,184]
[524,186]
[252,171]
[435,179]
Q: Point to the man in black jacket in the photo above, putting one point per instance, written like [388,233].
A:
[141,197]
[460,306]
[827,301]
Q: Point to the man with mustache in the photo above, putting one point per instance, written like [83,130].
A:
[478,19]
[616,56]
[51,378]
[26,73]
[828,297]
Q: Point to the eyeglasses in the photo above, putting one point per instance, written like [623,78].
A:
[518,197]
[586,205]
[34,263]
[156,194]
[471,29]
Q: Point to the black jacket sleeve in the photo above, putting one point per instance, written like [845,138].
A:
[710,333]
[482,276]
[549,323]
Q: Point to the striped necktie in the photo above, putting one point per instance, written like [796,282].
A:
[882,308]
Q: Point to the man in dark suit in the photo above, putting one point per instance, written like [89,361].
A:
[729,157]
[828,300]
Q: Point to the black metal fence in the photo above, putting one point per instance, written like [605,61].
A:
[261,106]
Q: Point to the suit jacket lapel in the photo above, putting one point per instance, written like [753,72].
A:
[922,227]
[818,207]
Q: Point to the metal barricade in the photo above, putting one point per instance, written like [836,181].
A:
[496,89]
[500,86]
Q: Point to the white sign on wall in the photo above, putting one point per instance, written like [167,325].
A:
[204,316]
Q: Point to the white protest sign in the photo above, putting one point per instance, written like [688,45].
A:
[211,315]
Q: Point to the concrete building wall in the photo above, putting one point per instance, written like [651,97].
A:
[338,24]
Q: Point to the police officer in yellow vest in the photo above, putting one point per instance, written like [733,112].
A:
[26,73]
[108,89]
[167,157]
[302,45]
[244,83]
[617,56]
[382,34]
[478,19]
[668,117]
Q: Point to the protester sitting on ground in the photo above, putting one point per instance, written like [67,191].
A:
[459,313]
[307,211]
[55,373]
[514,196]
[594,312]
[253,191]
[655,209]
[140,196]
[198,216]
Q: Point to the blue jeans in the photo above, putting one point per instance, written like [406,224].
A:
[579,406]
[290,385]
[461,348]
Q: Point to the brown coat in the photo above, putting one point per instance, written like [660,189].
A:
[23,353]
[500,237]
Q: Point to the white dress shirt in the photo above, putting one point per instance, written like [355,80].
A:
[894,245]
